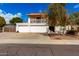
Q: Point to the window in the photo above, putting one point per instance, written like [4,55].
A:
[38,17]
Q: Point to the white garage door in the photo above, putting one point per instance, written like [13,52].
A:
[24,29]
[39,29]
[36,29]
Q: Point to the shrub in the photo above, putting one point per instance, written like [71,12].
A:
[71,32]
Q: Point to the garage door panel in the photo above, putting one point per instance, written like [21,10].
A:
[39,29]
[24,29]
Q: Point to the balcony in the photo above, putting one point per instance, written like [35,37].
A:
[38,21]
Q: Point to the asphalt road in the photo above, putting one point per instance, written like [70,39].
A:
[38,50]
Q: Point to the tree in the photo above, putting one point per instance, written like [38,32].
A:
[16,20]
[56,14]
[72,19]
[2,21]
[76,18]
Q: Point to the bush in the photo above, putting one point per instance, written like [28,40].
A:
[71,32]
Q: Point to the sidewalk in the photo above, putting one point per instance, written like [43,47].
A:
[35,41]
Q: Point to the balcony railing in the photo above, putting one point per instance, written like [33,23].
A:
[38,21]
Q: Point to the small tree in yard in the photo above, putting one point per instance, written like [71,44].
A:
[2,22]
[56,14]
[16,20]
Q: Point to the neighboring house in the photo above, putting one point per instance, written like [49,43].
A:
[37,23]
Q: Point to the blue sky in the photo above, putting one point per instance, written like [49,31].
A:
[22,8]
[9,10]
[72,7]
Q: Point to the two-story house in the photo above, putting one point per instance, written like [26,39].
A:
[37,23]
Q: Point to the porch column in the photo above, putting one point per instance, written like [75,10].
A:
[17,27]
[29,20]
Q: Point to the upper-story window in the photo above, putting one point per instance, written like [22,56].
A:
[38,19]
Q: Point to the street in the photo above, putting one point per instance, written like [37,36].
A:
[38,50]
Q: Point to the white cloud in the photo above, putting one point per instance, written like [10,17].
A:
[17,15]
[76,6]
[9,16]
[0,11]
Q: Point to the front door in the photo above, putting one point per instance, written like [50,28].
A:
[52,28]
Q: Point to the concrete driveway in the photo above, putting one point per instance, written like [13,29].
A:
[13,35]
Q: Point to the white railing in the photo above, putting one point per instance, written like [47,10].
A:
[38,21]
